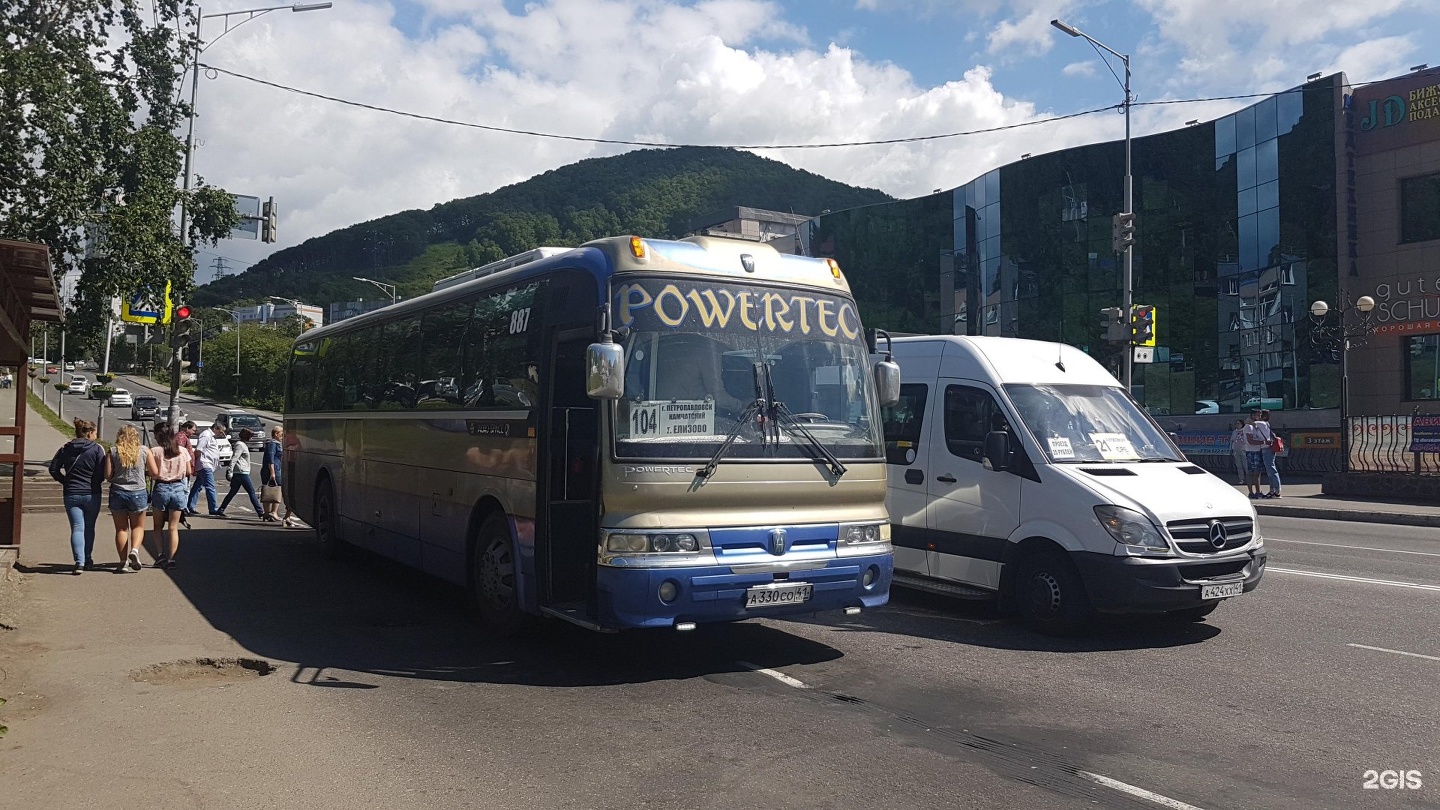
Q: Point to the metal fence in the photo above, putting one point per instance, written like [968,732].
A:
[1387,444]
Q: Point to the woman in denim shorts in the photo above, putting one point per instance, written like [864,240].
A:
[169,465]
[125,466]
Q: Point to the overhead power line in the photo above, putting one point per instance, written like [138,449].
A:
[830,145]
[621,142]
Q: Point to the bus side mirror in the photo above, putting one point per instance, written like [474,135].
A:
[887,382]
[605,369]
[997,450]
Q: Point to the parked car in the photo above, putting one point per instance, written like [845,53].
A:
[79,384]
[121,399]
[235,419]
[144,407]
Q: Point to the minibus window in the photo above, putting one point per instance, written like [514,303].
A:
[1089,423]
[970,414]
[903,421]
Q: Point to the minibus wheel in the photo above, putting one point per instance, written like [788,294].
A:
[1050,596]
[493,574]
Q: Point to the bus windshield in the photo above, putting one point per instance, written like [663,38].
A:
[1089,423]
[691,355]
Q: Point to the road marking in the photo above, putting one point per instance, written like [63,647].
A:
[1395,652]
[1345,578]
[1357,548]
[777,675]
[1163,801]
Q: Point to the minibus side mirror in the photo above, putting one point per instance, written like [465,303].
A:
[605,369]
[997,450]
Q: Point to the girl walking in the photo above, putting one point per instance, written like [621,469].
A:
[79,466]
[126,466]
[240,473]
[169,466]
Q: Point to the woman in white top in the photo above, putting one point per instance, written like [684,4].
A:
[240,473]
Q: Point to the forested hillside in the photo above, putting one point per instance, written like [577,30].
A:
[652,192]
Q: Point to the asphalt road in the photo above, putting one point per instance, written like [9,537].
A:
[194,407]
[1282,699]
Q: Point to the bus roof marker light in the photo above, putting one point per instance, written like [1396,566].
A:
[834,268]
[637,247]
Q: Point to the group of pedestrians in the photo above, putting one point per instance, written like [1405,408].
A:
[181,462]
[1253,448]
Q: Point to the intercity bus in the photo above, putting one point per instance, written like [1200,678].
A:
[632,433]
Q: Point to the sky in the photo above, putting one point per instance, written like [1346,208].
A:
[726,72]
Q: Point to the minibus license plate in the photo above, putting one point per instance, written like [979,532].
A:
[788,594]
[1222,591]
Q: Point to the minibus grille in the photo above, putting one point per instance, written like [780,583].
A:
[1193,536]
[1194,573]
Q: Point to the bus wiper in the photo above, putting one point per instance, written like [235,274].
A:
[708,470]
[781,415]
[788,419]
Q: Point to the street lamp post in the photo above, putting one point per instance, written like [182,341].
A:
[1362,307]
[236,315]
[296,304]
[388,289]
[1127,300]
[249,14]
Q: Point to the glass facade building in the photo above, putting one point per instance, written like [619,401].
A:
[1236,223]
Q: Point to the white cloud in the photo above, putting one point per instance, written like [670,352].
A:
[1079,68]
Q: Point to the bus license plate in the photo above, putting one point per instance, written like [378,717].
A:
[1222,591]
[787,594]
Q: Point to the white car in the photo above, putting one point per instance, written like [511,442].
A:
[79,384]
[121,399]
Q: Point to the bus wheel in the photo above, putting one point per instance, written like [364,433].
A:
[327,522]
[493,574]
[1049,596]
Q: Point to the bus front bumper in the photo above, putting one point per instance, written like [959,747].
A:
[630,597]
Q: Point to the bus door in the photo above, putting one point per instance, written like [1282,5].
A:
[565,549]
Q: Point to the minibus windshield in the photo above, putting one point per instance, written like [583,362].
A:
[1089,423]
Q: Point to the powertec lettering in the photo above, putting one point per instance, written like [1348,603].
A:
[679,304]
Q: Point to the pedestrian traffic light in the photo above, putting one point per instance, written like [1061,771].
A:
[1142,325]
[1122,231]
[1112,319]
[269,216]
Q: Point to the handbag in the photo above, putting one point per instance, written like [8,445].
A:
[1277,445]
[270,493]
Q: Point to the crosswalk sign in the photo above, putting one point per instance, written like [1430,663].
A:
[143,308]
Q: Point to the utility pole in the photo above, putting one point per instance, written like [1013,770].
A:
[221,269]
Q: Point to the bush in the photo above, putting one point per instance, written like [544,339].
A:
[62,387]
[105,379]
[101,392]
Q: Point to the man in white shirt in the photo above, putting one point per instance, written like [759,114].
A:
[1237,450]
[207,450]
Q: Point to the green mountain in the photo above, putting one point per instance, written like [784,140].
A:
[651,192]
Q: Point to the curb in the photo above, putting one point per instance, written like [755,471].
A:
[1355,516]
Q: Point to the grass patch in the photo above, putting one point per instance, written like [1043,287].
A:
[56,422]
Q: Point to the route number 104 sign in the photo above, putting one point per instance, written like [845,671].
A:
[670,419]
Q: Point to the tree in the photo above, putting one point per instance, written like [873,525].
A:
[90,104]
[264,360]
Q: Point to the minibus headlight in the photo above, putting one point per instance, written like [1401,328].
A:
[1130,528]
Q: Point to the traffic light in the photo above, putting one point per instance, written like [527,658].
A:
[182,325]
[1142,325]
[269,216]
[1112,318]
[1122,232]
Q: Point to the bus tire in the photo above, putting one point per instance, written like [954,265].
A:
[1191,615]
[494,572]
[1049,596]
[327,521]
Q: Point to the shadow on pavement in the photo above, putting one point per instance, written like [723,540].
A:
[273,591]
[979,623]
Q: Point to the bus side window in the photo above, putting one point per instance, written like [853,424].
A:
[902,422]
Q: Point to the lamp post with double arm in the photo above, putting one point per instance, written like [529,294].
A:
[388,289]
[1352,321]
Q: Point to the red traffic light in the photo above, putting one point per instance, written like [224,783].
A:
[182,312]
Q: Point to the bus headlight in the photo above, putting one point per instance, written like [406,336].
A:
[854,534]
[659,543]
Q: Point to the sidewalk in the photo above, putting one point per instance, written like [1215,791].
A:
[1304,500]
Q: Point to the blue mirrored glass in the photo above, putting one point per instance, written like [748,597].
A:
[1245,169]
[1245,128]
[1267,161]
[1225,136]
[1265,120]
